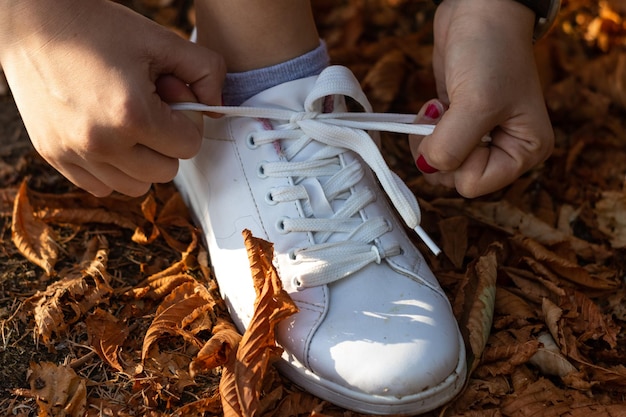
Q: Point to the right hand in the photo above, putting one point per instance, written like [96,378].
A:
[92,81]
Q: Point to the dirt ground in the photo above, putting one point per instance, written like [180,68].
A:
[548,251]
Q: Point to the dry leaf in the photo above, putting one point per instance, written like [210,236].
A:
[242,381]
[32,237]
[567,269]
[148,208]
[85,215]
[211,405]
[611,215]
[509,304]
[552,316]
[174,213]
[155,288]
[384,80]
[479,295]
[187,303]
[512,220]
[79,290]
[454,237]
[549,358]
[298,403]
[502,360]
[107,335]
[218,349]
[589,322]
[58,390]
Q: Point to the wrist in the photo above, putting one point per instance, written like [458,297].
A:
[491,21]
[545,12]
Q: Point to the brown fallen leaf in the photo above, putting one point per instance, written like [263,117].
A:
[384,79]
[174,213]
[454,238]
[80,215]
[611,216]
[149,209]
[504,216]
[509,304]
[218,349]
[565,268]
[106,335]
[81,288]
[58,390]
[543,398]
[211,405]
[478,296]
[242,380]
[549,358]
[586,319]
[186,311]
[32,237]
[298,403]
[155,288]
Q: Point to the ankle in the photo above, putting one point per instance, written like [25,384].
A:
[240,86]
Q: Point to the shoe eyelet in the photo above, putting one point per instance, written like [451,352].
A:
[250,143]
[291,255]
[280,225]
[297,283]
[269,199]
[260,171]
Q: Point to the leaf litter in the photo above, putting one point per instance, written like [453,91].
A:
[109,307]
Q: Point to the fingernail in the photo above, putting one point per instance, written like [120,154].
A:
[432,111]
[423,166]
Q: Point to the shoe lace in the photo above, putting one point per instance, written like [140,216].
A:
[293,131]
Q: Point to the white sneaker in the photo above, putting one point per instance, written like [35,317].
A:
[375,333]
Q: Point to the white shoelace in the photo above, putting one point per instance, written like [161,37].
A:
[327,261]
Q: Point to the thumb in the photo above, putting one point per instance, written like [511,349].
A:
[430,113]
[458,133]
[172,90]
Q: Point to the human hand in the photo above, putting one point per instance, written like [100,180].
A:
[92,80]
[488,84]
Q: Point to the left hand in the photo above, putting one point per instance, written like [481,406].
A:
[488,84]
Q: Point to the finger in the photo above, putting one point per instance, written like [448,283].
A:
[117,180]
[490,168]
[131,172]
[200,68]
[173,90]
[85,180]
[458,133]
[430,113]
[139,163]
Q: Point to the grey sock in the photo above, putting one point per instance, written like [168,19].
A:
[240,86]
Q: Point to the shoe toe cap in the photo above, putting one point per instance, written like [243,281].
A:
[407,359]
[397,339]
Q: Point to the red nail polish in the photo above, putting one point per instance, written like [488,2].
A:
[432,111]
[423,166]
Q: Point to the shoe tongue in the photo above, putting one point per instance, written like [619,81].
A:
[288,96]
[292,96]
